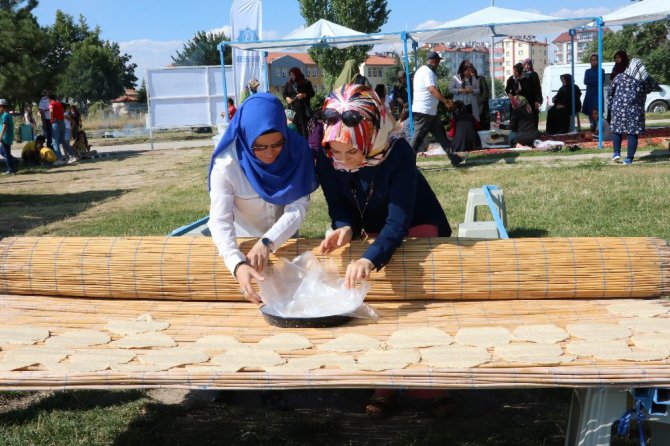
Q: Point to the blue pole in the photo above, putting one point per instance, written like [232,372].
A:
[409,89]
[225,87]
[572,82]
[601,104]
[494,210]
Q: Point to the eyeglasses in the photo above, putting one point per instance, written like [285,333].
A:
[350,118]
[276,145]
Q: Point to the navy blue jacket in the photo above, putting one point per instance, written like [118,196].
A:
[386,196]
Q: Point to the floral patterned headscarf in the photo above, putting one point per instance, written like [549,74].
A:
[353,114]
[521,102]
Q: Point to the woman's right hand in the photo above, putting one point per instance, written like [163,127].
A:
[245,274]
[336,239]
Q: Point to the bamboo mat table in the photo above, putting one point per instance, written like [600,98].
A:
[190,320]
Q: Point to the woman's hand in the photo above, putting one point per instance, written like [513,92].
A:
[357,271]
[258,256]
[245,274]
[336,239]
[289,100]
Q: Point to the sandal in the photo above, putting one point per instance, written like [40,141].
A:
[380,407]
[444,406]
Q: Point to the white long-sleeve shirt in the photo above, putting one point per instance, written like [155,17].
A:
[236,210]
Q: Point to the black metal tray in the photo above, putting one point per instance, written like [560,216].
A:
[303,322]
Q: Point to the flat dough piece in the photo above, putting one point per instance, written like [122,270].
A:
[454,356]
[393,359]
[236,359]
[14,334]
[652,341]
[79,338]
[648,325]
[134,327]
[174,357]
[613,350]
[284,342]
[113,356]
[638,308]
[542,334]
[419,337]
[532,353]
[597,331]
[135,367]
[145,340]
[351,343]
[218,342]
[313,362]
[483,336]
[33,355]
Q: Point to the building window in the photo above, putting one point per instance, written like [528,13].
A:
[507,54]
[380,72]
[284,72]
[277,72]
[316,72]
[520,52]
[369,72]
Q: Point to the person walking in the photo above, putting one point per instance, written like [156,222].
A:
[298,91]
[7,137]
[426,96]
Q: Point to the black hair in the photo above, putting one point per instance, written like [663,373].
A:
[40,139]
[380,89]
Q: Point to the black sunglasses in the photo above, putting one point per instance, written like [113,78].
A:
[350,118]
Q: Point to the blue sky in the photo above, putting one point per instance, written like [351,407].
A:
[153,30]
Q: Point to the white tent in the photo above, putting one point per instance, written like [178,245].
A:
[498,22]
[321,33]
[639,12]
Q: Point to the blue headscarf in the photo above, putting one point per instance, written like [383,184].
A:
[292,174]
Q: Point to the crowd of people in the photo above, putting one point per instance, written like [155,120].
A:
[60,140]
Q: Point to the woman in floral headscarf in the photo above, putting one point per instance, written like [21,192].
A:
[371,184]
[522,123]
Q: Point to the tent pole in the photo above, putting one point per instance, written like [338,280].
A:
[572,81]
[409,86]
[599,22]
[264,61]
[492,68]
[225,87]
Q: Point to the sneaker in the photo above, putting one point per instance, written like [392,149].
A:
[72,160]
[616,157]
[455,160]
[627,162]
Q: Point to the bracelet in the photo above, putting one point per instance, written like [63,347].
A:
[243,262]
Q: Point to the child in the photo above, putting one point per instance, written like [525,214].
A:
[607,132]
[32,150]
[81,145]
[290,114]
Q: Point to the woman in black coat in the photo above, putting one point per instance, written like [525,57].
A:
[531,88]
[522,123]
[558,116]
[298,91]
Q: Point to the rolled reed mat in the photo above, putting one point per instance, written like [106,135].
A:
[189,268]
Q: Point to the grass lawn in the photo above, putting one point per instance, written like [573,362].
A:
[157,192]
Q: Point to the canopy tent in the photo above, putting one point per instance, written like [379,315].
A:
[639,12]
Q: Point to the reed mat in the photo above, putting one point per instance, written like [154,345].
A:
[189,268]
[191,320]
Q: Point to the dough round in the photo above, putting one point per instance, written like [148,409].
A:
[284,342]
[543,334]
[79,338]
[532,353]
[351,343]
[454,356]
[14,334]
[145,340]
[597,331]
[639,308]
[377,360]
[419,337]
[483,336]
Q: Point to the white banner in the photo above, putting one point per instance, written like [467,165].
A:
[246,17]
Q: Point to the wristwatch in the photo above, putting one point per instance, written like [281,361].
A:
[268,243]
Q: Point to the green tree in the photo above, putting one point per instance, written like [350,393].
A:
[22,47]
[648,42]
[366,16]
[203,49]
[142,92]
[97,72]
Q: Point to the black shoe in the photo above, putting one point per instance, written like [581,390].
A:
[455,159]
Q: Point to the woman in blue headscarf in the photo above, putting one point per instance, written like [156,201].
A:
[260,178]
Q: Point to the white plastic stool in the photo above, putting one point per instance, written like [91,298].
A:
[479,229]
[476,198]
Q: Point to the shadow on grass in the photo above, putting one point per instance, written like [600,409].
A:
[23,212]
[527,232]
[333,417]
[80,400]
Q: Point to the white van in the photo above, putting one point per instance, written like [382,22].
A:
[551,79]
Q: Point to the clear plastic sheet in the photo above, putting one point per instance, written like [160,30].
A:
[307,287]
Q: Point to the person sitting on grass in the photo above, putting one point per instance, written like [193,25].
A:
[34,153]
[607,131]
[81,145]
[523,130]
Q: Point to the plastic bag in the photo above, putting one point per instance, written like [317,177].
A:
[308,288]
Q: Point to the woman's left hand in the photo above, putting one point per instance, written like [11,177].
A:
[357,271]
[258,256]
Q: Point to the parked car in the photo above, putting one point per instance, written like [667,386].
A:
[658,101]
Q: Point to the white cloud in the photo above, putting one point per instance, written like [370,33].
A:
[227,30]
[150,54]
[583,12]
[293,31]
[429,24]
